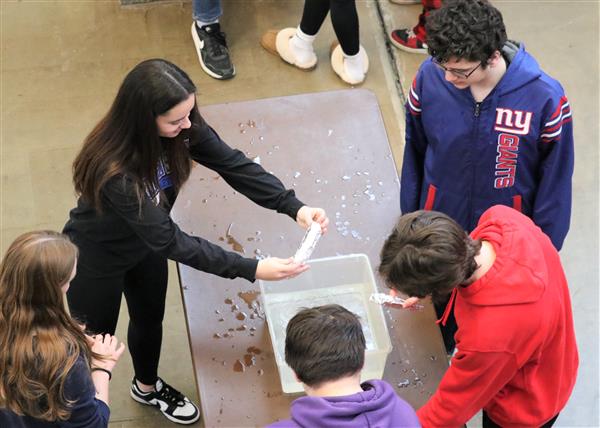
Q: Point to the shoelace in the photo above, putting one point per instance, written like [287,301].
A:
[219,48]
[410,34]
[171,395]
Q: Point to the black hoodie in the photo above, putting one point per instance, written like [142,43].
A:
[124,232]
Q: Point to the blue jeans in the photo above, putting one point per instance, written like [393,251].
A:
[207,10]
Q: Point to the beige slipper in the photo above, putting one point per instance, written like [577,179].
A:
[267,41]
[337,63]
[278,43]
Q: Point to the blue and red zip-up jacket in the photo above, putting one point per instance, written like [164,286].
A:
[515,148]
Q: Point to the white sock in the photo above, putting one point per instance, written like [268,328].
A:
[201,24]
[354,66]
[302,47]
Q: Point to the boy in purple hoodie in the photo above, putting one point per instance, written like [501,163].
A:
[325,347]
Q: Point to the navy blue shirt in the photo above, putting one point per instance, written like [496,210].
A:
[87,411]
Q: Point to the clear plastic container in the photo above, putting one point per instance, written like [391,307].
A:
[346,280]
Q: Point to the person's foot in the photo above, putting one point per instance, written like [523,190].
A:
[173,404]
[351,69]
[405,1]
[406,40]
[295,50]
[212,51]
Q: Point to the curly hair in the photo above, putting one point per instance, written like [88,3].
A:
[465,29]
[427,254]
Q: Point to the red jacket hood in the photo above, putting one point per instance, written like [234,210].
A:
[515,277]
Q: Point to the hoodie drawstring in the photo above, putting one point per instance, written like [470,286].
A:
[446,314]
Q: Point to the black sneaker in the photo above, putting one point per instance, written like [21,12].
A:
[212,51]
[173,404]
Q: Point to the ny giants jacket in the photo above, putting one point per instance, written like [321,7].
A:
[515,148]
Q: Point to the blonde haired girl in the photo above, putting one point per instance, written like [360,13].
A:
[51,373]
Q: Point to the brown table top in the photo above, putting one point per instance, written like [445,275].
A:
[331,147]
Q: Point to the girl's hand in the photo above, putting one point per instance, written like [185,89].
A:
[90,339]
[273,269]
[107,346]
[306,215]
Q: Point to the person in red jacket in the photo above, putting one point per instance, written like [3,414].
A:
[516,353]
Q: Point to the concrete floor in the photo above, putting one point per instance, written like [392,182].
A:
[62,62]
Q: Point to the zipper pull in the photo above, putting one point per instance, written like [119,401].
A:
[477,109]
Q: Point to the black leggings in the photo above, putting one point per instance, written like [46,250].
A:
[343,18]
[488,423]
[95,299]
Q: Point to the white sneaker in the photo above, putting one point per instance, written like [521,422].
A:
[173,404]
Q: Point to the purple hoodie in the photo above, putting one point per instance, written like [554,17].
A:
[377,406]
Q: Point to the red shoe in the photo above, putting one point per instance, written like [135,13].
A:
[406,40]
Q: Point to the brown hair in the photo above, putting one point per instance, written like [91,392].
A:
[39,342]
[126,141]
[427,254]
[324,343]
[465,29]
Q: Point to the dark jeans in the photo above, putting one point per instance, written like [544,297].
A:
[488,423]
[344,19]
[95,301]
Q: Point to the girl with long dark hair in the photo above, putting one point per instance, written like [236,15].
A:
[127,175]
[51,373]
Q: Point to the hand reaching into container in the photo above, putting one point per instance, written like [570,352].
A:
[411,302]
[408,303]
[274,269]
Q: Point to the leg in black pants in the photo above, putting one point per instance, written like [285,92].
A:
[488,423]
[95,301]
[343,17]
[145,292]
[313,16]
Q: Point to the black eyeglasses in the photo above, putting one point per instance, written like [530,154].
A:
[458,73]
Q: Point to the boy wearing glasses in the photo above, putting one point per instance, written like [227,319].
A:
[485,126]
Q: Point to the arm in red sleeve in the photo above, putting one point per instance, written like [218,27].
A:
[472,380]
